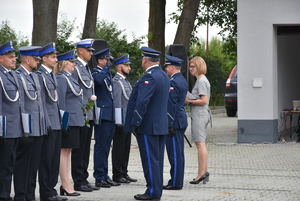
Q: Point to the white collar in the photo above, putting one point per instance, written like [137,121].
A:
[152,67]
[83,62]
[25,70]
[47,69]
[121,75]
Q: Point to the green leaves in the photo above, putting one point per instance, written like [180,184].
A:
[119,45]
[65,29]
[88,108]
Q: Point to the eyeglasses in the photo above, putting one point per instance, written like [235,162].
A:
[192,66]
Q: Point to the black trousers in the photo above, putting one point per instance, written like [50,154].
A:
[80,156]
[25,171]
[49,165]
[120,152]
[7,156]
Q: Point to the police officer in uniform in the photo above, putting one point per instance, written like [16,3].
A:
[147,118]
[50,157]
[121,140]
[105,117]
[29,154]
[177,122]
[80,156]
[70,100]
[11,128]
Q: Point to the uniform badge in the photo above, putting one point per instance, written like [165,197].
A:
[146,82]
[171,88]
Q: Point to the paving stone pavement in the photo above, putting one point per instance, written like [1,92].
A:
[269,171]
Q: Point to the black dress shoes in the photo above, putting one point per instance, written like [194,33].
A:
[145,197]
[167,187]
[112,183]
[64,192]
[102,184]
[92,187]
[130,179]
[62,198]
[122,180]
[83,188]
[54,198]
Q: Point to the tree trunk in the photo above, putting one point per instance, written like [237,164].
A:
[44,21]
[157,22]
[89,29]
[185,28]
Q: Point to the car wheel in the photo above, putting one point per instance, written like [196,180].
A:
[231,112]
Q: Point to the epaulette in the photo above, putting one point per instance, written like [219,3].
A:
[39,72]
[18,71]
[151,71]
[95,70]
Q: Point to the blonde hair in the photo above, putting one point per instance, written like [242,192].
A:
[60,65]
[200,65]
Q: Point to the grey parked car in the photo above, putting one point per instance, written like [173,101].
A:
[231,93]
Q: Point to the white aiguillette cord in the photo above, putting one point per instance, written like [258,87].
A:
[6,95]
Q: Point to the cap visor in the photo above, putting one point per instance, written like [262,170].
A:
[9,51]
[37,57]
[90,48]
[71,59]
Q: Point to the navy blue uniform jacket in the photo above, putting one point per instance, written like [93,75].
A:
[145,108]
[176,113]
[104,92]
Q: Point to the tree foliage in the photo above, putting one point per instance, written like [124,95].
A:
[65,29]
[7,32]
[119,45]
[222,13]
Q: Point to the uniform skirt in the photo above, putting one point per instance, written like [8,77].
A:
[72,138]
[200,117]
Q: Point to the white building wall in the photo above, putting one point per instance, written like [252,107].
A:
[257,57]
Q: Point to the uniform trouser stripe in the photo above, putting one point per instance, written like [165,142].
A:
[149,164]
[175,160]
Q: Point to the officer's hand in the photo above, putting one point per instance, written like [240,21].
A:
[24,140]
[65,132]
[107,67]
[135,130]
[49,131]
[171,132]
[119,129]
[2,140]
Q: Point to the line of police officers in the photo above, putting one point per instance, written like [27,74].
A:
[31,121]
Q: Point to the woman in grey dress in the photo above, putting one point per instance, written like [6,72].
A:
[70,100]
[200,115]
